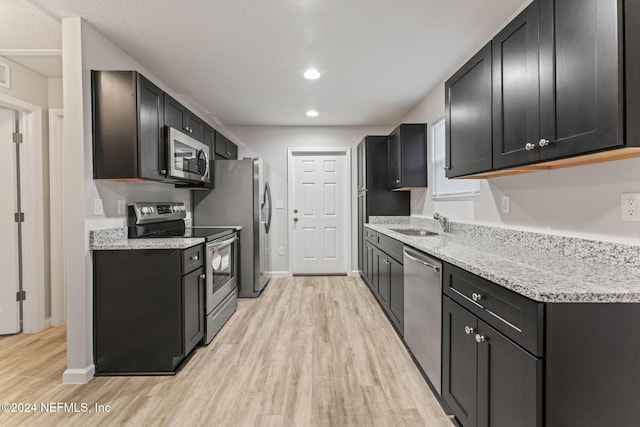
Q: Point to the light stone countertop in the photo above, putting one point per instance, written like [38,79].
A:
[541,276]
[116,239]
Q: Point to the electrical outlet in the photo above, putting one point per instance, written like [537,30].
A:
[98,208]
[279,204]
[281,251]
[630,207]
[122,206]
[506,204]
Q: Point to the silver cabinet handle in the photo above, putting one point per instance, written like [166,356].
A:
[194,257]
[529,146]
[163,172]
[476,297]
[544,142]
[468,330]
[447,168]
[397,181]
[479,338]
[202,276]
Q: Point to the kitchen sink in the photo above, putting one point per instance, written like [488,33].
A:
[414,232]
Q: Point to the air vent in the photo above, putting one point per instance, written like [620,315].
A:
[5,75]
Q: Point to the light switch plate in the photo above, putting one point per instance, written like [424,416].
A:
[506,204]
[281,251]
[630,209]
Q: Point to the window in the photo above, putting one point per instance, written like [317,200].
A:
[443,188]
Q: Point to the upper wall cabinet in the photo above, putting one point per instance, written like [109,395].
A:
[407,157]
[468,117]
[562,85]
[225,149]
[128,127]
[516,103]
[179,117]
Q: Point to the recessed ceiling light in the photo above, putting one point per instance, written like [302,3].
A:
[312,74]
[312,113]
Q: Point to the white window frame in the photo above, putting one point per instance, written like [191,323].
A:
[443,188]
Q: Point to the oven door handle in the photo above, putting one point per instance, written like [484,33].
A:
[214,245]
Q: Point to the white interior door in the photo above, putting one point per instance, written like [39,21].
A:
[9,244]
[319,213]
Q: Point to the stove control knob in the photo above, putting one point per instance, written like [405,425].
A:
[183,208]
[144,210]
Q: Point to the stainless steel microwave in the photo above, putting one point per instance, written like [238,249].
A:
[188,159]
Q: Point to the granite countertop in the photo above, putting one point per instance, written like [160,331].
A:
[541,276]
[116,239]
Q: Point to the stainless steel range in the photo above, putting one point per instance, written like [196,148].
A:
[166,220]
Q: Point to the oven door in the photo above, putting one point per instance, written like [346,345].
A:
[222,270]
[188,158]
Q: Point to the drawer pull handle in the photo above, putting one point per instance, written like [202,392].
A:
[476,297]
[194,257]
[479,338]
[468,330]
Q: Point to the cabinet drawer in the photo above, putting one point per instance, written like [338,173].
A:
[516,316]
[391,246]
[371,235]
[192,258]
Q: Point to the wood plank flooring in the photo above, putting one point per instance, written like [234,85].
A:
[311,351]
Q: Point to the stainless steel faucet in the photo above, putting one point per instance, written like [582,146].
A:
[444,222]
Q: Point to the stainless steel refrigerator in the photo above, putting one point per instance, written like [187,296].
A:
[241,197]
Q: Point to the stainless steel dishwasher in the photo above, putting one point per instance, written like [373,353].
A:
[423,312]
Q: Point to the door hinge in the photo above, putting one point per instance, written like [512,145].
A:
[21,295]
[17,138]
[19,216]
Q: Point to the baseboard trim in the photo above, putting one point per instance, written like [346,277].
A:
[79,376]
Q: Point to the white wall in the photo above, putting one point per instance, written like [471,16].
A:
[582,201]
[271,144]
[85,49]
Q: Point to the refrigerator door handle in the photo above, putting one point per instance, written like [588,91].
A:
[267,195]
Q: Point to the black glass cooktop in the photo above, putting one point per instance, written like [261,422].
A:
[208,233]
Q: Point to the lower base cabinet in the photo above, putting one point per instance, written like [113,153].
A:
[384,275]
[489,380]
[148,312]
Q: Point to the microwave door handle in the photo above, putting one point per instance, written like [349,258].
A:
[206,162]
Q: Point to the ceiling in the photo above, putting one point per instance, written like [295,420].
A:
[242,60]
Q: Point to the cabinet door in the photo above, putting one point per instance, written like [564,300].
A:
[394,156]
[580,76]
[515,91]
[173,113]
[232,151]
[370,264]
[509,382]
[151,144]
[193,309]
[459,362]
[468,117]
[195,127]
[383,278]
[221,145]
[396,293]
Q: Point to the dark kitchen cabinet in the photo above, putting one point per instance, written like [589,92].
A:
[128,127]
[178,116]
[385,275]
[407,157]
[468,118]
[225,148]
[565,74]
[516,106]
[487,379]
[374,198]
[148,309]
[581,76]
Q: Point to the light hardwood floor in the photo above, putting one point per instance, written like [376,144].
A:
[311,351]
